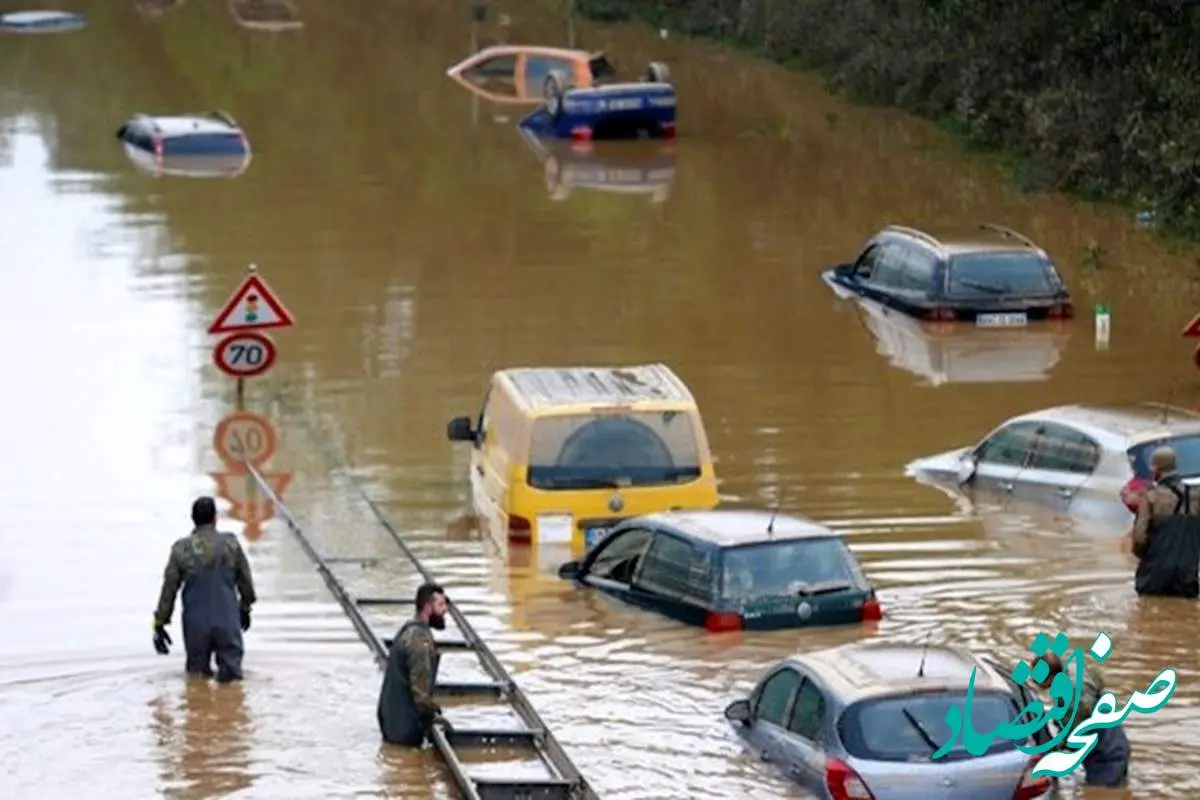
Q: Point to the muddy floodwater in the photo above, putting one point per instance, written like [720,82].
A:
[421,243]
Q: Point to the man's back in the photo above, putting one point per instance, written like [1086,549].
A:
[1166,540]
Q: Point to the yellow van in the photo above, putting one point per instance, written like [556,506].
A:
[560,454]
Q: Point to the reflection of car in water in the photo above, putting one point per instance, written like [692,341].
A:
[1085,460]
[863,721]
[730,570]
[217,166]
[625,168]
[944,353]
[994,277]
[266,15]
[156,8]
[517,73]
[559,455]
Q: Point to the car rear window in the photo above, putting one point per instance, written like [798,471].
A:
[1187,454]
[1000,274]
[913,727]
[205,144]
[788,567]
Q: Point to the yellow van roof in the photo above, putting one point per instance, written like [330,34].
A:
[561,388]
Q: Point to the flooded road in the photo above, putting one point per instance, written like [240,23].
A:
[421,245]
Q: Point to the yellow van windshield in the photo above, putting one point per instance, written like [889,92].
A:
[592,451]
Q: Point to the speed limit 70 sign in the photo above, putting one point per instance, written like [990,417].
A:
[244,355]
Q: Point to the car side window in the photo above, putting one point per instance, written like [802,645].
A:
[889,270]
[496,75]
[1065,449]
[677,568]
[773,699]
[864,267]
[1009,446]
[617,557]
[918,270]
[808,713]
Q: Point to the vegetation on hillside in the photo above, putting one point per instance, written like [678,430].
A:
[1095,96]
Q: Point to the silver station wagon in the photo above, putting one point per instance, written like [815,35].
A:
[862,722]
[1079,459]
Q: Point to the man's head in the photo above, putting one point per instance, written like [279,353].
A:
[1162,462]
[431,605]
[1056,666]
[204,512]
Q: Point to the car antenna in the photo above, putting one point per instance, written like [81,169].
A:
[771,524]
[924,652]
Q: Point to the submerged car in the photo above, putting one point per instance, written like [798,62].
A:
[944,353]
[637,169]
[862,721]
[212,134]
[517,73]
[266,15]
[41,22]
[641,110]
[1079,459]
[994,278]
[730,570]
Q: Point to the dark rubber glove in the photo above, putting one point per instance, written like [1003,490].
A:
[162,640]
[443,723]
[245,619]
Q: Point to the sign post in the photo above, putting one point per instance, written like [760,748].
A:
[245,352]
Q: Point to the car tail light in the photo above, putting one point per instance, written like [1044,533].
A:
[1031,787]
[940,314]
[158,147]
[1060,311]
[843,783]
[668,130]
[1130,492]
[519,528]
[871,610]
[722,621]
[581,134]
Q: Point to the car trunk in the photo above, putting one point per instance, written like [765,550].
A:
[993,777]
[842,607]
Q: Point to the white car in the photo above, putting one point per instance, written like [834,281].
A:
[1078,459]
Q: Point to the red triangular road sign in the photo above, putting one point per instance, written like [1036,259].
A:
[1192,329]
[252,307]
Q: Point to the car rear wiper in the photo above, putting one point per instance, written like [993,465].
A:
[916,723]
[984,287]
[822,587]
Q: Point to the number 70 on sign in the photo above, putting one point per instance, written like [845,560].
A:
[244,354]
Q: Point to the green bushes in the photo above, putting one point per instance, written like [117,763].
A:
[1097,96]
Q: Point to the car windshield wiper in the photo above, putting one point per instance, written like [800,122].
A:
[821,587]
[916,723]
[984,287]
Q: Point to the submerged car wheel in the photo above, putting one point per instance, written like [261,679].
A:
[657,72]
[554,88]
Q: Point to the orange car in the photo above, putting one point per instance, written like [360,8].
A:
[517,73]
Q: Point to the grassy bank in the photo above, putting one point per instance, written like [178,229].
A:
[1098,97]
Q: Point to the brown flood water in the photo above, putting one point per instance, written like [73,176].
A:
[420,247]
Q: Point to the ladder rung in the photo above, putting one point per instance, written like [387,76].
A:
[498,736]
[526,788]
[470,687]
[442,644]
[364,560]
[383,601]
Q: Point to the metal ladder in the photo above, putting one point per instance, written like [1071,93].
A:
[564,781]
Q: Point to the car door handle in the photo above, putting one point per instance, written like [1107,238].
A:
[1064,492]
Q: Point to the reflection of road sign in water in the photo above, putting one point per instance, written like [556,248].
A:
[244,355]
[248,503]
[253,306]
[1072,694]
[244,436]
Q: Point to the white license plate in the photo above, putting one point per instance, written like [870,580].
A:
[593,536]
[1010,320]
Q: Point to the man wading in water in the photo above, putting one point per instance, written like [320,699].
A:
[406,709]
[212,569]
[1166,532]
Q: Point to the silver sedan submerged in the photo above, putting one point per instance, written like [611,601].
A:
[863,721]
[1079,459]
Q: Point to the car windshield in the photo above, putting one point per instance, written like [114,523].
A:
[613,450]
[1187,455]
[1005,273]
[912,727]
[788,567]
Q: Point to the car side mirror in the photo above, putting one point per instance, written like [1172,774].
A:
[966,468]
[459,430]
[570,570]
[738,711]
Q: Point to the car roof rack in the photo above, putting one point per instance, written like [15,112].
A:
[1009,233]
[916,233]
